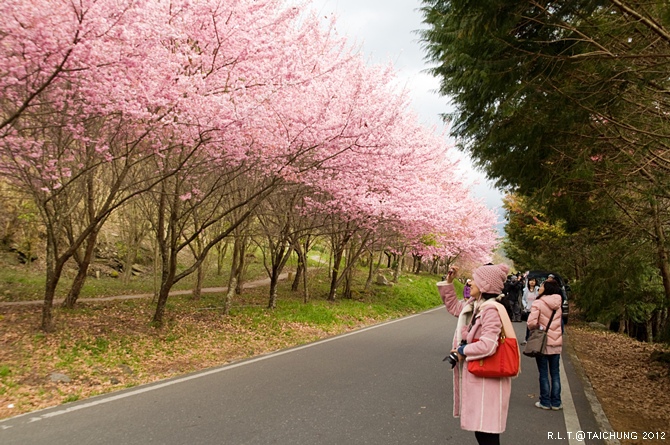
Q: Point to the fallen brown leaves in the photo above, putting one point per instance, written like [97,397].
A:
[633,390]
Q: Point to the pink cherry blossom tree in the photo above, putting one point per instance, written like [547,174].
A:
[207,110]
[84,94]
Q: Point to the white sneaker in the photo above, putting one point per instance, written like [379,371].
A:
[557,408]
[541,406]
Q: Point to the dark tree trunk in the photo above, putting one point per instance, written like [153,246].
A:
[228,299]
[82,272]
[418,259]
[371,269]
[53,273]
[232,279]
[662,254]
[77,285]
[241,245]
[301,272]
[398,266]
[167,281]
[337,260]
[302,251]
[53,276]
[47,308]
[272,303]
[305,288]
[347,284]
[165,237]
[163,295]
[199,280]
[298,275]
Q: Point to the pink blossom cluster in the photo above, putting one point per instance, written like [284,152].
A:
[250,83]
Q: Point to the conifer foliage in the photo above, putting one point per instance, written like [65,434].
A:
[566,104]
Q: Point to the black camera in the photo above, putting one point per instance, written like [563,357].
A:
[452,359]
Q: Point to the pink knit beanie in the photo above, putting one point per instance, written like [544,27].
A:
[491,279]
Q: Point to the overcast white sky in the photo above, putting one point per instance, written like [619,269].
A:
[386,31]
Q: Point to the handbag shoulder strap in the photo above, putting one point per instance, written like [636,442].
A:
[550,319]
[507,328]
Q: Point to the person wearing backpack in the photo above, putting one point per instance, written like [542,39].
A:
[546,307]
[482,403]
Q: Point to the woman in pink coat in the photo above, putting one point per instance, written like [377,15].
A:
[548,364]
[481,403]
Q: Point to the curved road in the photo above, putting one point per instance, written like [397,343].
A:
[385,384]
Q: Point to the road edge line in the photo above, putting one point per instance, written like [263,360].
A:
[111,397]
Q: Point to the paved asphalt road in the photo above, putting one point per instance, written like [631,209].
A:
[381,385]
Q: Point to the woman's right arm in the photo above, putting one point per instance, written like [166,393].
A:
[448,294]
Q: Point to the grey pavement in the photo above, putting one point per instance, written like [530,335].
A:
[385,384]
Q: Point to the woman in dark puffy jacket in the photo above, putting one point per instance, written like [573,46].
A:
[548,364]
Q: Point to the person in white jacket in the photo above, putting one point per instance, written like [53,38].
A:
[530,292]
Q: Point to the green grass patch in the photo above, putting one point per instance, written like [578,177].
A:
[71,398]
[412,294]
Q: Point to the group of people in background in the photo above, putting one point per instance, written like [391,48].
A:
[482,403]
[519,294]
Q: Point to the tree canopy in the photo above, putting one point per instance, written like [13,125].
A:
[566,104]
[204,111]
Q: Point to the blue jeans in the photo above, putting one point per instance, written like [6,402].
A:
[550,393]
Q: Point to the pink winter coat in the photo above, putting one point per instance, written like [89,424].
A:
[481,403]
[540,312]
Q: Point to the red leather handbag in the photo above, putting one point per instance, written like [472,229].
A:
[503,363]
[506,361]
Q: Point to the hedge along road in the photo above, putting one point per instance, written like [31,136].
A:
[385,384]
